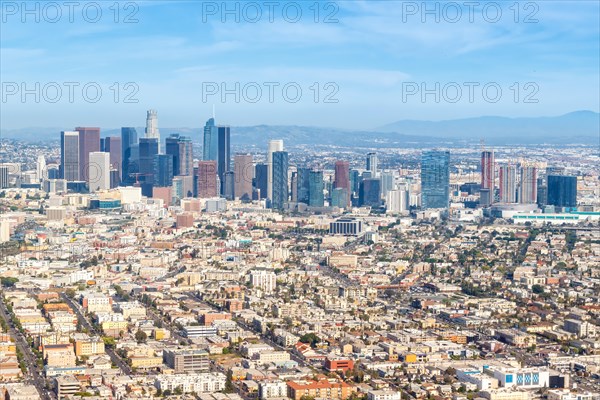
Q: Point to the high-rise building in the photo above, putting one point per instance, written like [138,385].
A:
[340,198]
[180,147]
[148,149]
[528,185]
[40,167]
[98,173]
[372,164]
[89,141]
[114,146]
[207,179]
[229,185]
[224,154]
[354,181]
[274,145]
[562,191]
[397,201]
[244,172]
[315,191]
[280,179]
[369,193]
[129,149]
[3,176]
[342,176]
[69,155]
[303,185]
[508,184]
[261,179]
[487,170]
[152,125]
[210,143]
[435,179]
[163,170]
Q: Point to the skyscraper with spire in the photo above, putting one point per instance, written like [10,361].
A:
[152,126]
[210,143]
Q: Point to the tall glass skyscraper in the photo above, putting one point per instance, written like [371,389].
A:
[129,142]
[163,170]
[435,179]
[223,154]
[210,142]
[303,185]
[562,191]
[261,179]
[315,191]
[148,150]
[280,179]
[528,185]
[369,193]
[180,147]
[69,155]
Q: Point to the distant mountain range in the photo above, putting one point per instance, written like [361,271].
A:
[575,127]
[581,127]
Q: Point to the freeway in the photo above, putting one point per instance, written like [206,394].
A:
[84,322]
[34,377]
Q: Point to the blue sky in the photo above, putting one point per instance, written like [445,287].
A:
[371,53]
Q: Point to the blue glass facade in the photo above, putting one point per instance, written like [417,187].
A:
[435,179]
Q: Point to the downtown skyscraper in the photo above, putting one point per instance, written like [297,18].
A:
[528,185]
[508,184]
[435,179]
[89,142]
[69,156]
[223,154]
[243,175]
[130,152]
[487,170]
[180,147]
[274,145]
[210,143]
[280,179]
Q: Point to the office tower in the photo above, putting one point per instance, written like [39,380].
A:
[387,182]
[542,191]
[261,179]
[210,141]
[98,173]
[274,145]
[435,179]
[340,198]
[397,201]
[163,170]
[224,153]
[528,186]
[89,141]
[303,185]
[183,186]
[229,185]
[342,176]
[354,181]
[372,164]
[53,171]
[487,170]
[129,141]
[294,187]
[508,184]
[69,155]
[152,125]
[40,167]
[244,172]
[207,179]
[180,147]
[3,176]
[315,191]
[562,191]
[280,179]
[369,193]
[148,149]
[114,146]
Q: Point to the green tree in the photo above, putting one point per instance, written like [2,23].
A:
[140,336]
